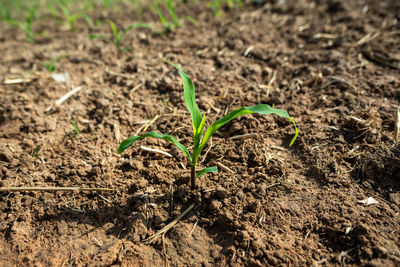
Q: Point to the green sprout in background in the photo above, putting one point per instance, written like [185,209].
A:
[26,25]
[167,25]
[88,20]
[70,18]
[175,22]
[118,36]
[49,65]
[75,129]
[198,121]
[217,5]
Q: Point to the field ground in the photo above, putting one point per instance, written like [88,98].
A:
[333,65]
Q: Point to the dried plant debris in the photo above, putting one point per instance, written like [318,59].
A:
[382,57]
[364,125]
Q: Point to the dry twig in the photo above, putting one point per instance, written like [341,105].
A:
[397,126]
[156,151]
[222,166]
[68,95]
[168,226]
[243,136]
[68,189]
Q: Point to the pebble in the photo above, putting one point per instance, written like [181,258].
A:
[221,193]
[215,205]
[243,235]
[6,155]
[395,197]
[252,207]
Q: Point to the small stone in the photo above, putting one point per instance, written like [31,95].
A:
[143,38]
[266,72]
[3,206]
[238,44]
[28,143]
[221,193]
[166,81]
[51,124]
[395,197]
[235,127]
[20,229]
[26,201]
[82,172]
[230,251]
[243,235]
[215,205]
[250,186]
[6,155]
[251,69]
[142,183]
[257,244]
[277,97]
[252,207]
[62,227]
[326,71]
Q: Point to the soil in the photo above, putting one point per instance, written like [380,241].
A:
[333,65]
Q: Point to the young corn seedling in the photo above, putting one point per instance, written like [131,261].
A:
[175,20]
[70,18]
[199,139]
[118,36]
[50,65]
[167,25]
[217,5]
[75,129]
[26,26]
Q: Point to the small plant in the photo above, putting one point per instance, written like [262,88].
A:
[118,36]
[216,5]
[26,26]
[200,140]
[107,3]
[88,20]
[75,129]
[5,12]
[70,18]
[49,65]
[167,25]
[175,20]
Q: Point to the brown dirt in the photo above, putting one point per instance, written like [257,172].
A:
[277,206]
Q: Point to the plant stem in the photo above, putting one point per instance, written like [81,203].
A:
[193,176]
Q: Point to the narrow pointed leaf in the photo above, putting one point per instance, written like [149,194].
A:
[137,25]
[129,141]
[261,109]
[189,95]
[212,169]
[198,133]
[160,15]
[114,29]
[172,13]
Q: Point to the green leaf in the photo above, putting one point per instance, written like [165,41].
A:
[261,109]
[114,29]
[198,133]
[212,169]
[192,20]
[65,10]
[137,25]
[94,36]
[160,15]
[189,95]
[129,141]
[88,20]
[76,129]
[172,13]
